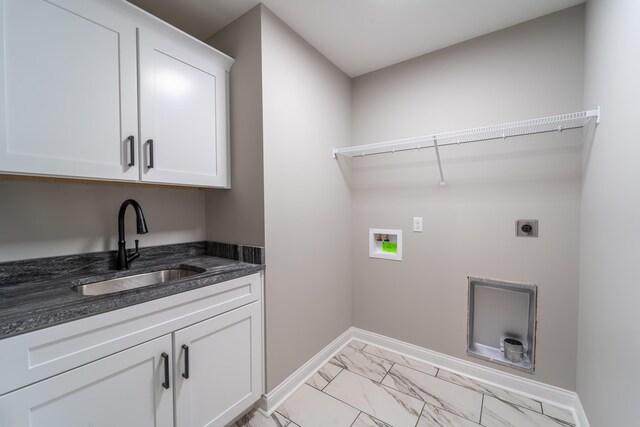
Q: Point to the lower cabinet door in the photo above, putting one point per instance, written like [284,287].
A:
[218,367]
[125,389]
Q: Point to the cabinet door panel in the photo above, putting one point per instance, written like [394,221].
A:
[183,110]
[225,365]
[124,389]
[68,73]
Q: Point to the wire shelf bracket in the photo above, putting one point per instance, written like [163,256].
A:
[537,126]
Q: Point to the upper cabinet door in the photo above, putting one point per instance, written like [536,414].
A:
[68,89]
[183,110]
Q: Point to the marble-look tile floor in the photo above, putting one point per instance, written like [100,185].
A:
[368,386]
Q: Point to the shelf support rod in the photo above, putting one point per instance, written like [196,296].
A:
[435,145]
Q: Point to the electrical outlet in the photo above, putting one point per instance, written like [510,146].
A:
[527,228]
[417,224]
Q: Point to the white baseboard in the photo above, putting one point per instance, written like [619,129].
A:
[536,390]
[580,415]
[270,401]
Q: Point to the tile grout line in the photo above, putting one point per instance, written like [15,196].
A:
[459,385]
[424,405]
[402,364]
[556,420]
[387,374]
[339,400]
[286,418]
[354,421]
[286,424]
[483,394]
[363,376]
[272,416]
[382,385]
[449,412]
[573,423]
[334,377]
[379,382]
[488,394]
[425,402]
[402,392]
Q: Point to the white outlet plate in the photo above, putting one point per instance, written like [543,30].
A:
[417,224]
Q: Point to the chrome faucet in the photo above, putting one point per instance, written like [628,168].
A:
[123,260]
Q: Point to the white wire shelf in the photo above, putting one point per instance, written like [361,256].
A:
[541,125]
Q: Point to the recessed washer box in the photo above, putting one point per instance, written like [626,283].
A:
[385,244]
[499,310]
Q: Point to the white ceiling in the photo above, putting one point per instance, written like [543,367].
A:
[360,36]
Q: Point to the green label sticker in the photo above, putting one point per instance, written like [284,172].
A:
[389,247]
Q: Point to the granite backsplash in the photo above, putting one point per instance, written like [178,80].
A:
[43,269]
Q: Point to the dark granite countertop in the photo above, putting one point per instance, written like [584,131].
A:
[35,300]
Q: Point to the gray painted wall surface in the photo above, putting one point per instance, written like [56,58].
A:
[41,219]
[306,111]
[531,70]
[237,215]
[608,380]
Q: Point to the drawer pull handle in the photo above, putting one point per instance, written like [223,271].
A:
[165,357]
[132,153]
[185,375]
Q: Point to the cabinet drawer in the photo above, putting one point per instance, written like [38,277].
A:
[34,356]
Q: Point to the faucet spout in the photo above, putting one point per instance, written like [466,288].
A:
[123,261]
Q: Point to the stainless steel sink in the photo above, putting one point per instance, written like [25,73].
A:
[137,281]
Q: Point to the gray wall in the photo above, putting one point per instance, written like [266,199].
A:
[531,70]
[608,379]
[41,219]
[237,215]
[306,111]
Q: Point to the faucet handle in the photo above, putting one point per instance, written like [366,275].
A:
[137,242]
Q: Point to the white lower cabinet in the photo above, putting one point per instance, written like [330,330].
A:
[200,372]
[224,368]
[124,389]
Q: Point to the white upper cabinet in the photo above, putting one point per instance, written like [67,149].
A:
[183,100]
[68,73]
[86,83]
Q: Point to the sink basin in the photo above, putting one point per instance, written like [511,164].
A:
[137,281]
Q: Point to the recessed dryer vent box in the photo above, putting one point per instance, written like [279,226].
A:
[497,311]
[385,244]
